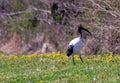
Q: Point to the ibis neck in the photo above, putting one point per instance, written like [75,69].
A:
[80,34]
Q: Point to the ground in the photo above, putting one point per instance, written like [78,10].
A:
[56,68]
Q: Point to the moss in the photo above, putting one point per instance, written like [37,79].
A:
[69,35]
[82,15]
[57,18]
[104,16]
[17,5]
[25,23]
[88,4]
[13,30]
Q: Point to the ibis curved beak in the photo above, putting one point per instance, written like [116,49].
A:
[80,28]
[87,31]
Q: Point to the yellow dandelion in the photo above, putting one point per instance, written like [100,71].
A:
[22,56]
[47,55]
[2,55]
[97,58]
[76,57]
[13,57]
[41,81]
[40,55]
[58,53]
[5,77]
[59,59]
[77,75]
[110,57]
[109,60]
[53,54]
[28,56]
[102,74]
[53,82]
[111,53]
[52,68]
[32,56]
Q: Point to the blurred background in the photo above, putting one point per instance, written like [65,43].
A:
[39,26]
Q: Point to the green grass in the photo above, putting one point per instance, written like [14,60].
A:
[49,69]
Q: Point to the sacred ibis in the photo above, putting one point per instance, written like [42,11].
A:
[76,44]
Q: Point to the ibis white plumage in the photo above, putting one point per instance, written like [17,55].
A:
[75,45]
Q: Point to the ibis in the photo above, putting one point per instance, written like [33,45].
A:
[75,45]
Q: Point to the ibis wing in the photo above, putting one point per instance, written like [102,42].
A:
[70,50]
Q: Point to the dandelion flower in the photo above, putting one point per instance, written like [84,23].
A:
[110,56]
[32,56]
[53,54]
[41,81]
[13,57]
[58,53]
[22,56]
[52,68]
[77,57]
[2,55]
[77,75]
[97,58]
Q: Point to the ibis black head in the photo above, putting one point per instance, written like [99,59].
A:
[80,28]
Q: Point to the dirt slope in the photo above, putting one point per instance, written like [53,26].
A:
[35,26]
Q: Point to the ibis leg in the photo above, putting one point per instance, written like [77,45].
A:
[81,58]
[73,59]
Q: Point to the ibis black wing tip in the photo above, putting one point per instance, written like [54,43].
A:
[69,50]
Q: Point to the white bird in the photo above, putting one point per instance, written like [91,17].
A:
[76,44]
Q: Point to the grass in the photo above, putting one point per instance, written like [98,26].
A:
[55,68]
